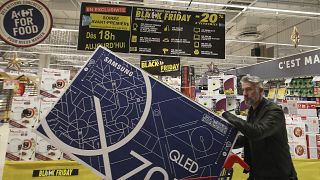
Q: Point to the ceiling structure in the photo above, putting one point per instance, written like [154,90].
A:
[262,24]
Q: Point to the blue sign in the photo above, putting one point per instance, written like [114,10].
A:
[24,23]
[123,123]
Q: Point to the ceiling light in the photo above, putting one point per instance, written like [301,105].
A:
[248,7]
[62,29]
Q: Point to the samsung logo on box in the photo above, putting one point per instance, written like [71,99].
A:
[118,66]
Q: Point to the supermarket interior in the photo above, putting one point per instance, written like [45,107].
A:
[117,89]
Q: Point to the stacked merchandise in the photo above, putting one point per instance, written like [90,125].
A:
[300,87]
[272,89]
[21,145]
[27,110]
[222,95]
[45,151]
[297,138]
[53,84]
[23,117]
[302,123]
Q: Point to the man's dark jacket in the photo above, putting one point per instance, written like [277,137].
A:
[265,141]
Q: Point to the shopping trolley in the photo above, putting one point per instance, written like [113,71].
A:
[227,171]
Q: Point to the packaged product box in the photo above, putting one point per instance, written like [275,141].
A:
[313,144]
[219,103]
[313,140]
[297,118]
[46,104]
[175,83]
[241,107]
[230,85]
[281,93]
[225,84]
[24,112]
[306,108]
[289,106]
[291,148]
[21,145]
[311,124]
[215,103]
[313,152]
[296,132]
[215,85]
[288,119]
[231,103]
[272,93]
[135,118]
[54,82]
[204,100]
[46,152]
[299,149]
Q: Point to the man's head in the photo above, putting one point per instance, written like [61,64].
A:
[252,87]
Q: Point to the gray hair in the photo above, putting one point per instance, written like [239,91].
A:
[253,80]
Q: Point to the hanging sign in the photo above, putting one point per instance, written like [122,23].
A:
[146,30]
[303,64]
[24,23]
[161,65]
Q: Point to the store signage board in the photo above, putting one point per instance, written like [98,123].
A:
[24,23]
[161,65]
[118,119]
[304,64]
[152,31]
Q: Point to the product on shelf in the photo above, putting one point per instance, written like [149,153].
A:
[24,112]
[54,82]
[46,104]
[46,151]
[21,145]
[222,85]
[313,145]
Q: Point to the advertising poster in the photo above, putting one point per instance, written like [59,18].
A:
[177,33]
[146,30]
[161,65]
[124,124]
[105,25]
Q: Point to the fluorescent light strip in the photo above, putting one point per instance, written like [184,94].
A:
[278,44]
[61,29]
[59,54]
[244,7]
[58,45]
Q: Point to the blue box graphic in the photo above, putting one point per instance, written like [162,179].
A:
[124,124]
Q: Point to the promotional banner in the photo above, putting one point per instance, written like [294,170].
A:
[51,170]
[161,65]
[124,124]
[24,23]
[152,31]
[105,25]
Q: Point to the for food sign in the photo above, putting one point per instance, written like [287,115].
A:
[24,23]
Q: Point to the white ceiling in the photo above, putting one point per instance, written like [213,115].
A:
[271,19]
